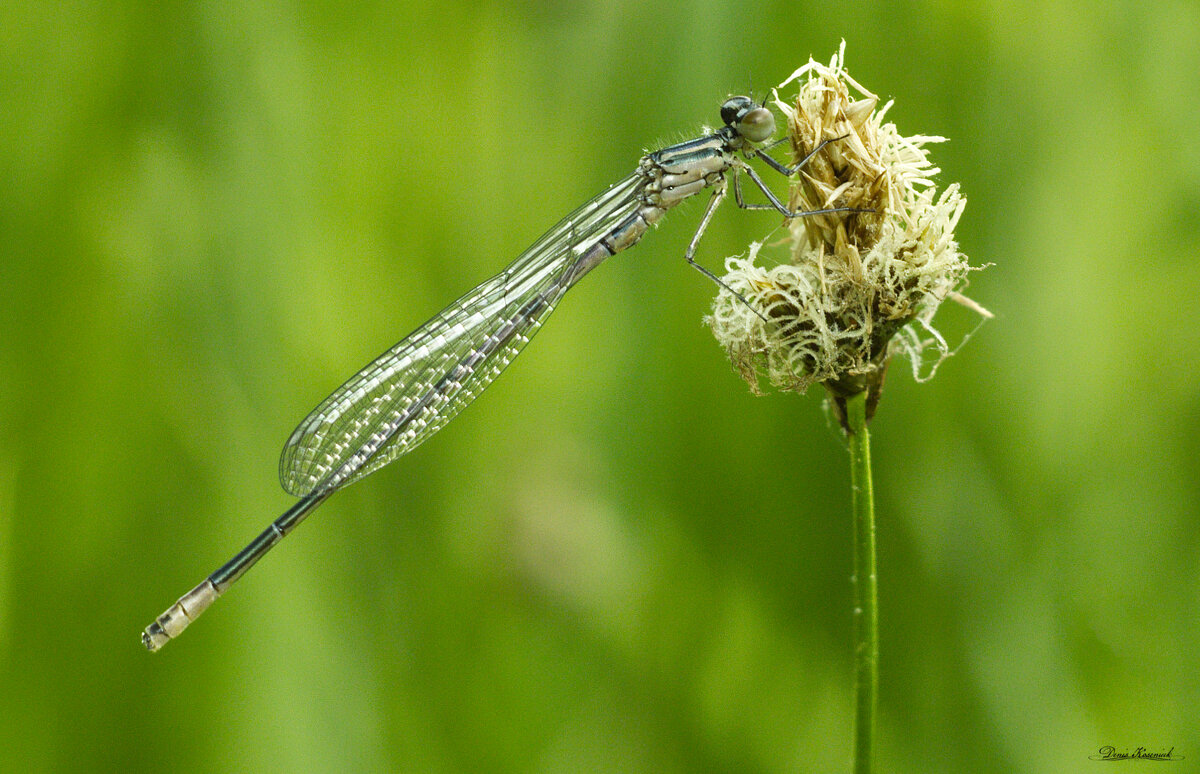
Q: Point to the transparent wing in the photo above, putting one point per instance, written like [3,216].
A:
[411,391]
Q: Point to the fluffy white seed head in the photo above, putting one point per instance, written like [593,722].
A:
[851,281]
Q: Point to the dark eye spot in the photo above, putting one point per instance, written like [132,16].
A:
[734,107]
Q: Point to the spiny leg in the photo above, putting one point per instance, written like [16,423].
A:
[789,171]
[713,202]
[775,203]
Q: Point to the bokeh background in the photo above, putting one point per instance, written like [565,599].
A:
[617,559]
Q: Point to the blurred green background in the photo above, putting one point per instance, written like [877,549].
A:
[616,560]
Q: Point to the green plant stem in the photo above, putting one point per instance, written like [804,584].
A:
[866,590]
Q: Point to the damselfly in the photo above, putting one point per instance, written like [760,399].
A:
[411,391]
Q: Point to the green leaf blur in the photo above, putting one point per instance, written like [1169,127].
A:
[617,560]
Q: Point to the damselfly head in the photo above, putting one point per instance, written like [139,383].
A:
[748,118]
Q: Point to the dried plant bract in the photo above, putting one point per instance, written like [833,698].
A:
[857,284]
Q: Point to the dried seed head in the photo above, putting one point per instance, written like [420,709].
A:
[853,280]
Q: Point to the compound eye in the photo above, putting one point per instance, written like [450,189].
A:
[756,125]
